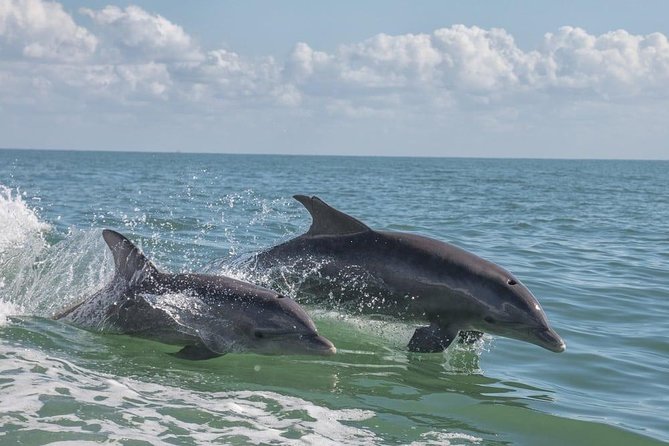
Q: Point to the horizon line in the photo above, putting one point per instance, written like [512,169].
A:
[204,152]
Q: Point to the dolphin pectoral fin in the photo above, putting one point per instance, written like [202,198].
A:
[431,339]
[196,352]
[469,337]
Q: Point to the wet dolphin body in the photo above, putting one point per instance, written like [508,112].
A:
[411,277]
[208,315]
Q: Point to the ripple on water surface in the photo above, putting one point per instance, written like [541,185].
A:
[591,239]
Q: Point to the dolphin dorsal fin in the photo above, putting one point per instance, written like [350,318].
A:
[328,220]
[130,263]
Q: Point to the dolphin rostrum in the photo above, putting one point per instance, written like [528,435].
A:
[408,276]
[208,315]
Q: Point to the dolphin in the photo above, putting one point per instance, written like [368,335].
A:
[407,276]
[208,315]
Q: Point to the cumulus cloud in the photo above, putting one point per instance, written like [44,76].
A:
[140,35]
[128,58]
[42,30]
[226,75]
[613,64]
[132,51]
[470,61]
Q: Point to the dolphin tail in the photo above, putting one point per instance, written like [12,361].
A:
[130,263]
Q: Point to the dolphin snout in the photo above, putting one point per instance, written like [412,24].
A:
[320,345]
[550,340]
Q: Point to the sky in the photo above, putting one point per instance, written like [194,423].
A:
[537,79]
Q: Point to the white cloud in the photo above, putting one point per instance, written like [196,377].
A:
[613,64]
[389,61]
[128,59]
[479,60]
[42,30]
[129,52]
[304,61]
[228,75]
[128,56]
[140,35]
[470,61]
[457,58]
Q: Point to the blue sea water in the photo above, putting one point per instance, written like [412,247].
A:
[589,238]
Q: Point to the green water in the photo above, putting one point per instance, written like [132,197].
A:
[589,238]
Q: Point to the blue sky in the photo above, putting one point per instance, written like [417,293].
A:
[431,78]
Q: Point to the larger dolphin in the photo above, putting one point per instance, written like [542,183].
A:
[411,277]
[207,315]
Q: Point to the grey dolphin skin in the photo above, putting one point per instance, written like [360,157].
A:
[208,315]
[411,277]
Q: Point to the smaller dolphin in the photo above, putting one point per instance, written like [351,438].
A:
[208,315]
[410,277]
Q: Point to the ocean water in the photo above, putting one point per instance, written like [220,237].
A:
[589,238]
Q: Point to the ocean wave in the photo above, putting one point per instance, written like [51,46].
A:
[43,394]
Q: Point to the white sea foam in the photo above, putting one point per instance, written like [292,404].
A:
[53,395]
[446,439]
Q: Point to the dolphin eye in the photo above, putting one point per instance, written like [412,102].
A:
[258,334]
[511,282]
[489,320]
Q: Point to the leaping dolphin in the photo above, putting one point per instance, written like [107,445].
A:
[410,277]
[208,315]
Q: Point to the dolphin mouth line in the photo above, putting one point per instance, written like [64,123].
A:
[550,340]
[329,351]
[320,345]
[310,344]
[559,348]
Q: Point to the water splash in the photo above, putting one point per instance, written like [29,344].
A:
[269,214]
[20,224]
[21,242]
[60,274]
[360,317]
[39,278]
[7,309]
